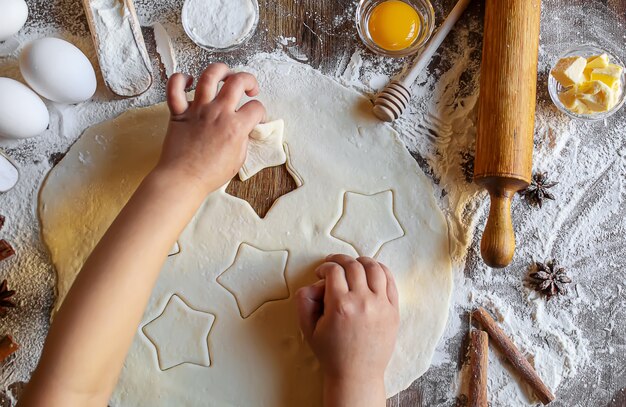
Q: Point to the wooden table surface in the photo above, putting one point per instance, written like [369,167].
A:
[324,44]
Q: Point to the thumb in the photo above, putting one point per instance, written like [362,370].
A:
[252,113]
[310,307]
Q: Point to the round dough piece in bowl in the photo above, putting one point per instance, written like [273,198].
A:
[220,328]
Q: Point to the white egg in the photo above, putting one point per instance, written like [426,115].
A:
[22,113]
[13,15]
[58,71]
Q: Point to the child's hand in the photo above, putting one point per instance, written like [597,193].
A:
[350,318]
[206,141]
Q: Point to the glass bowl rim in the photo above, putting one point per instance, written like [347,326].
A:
[414,48]
[232,47]
[583,50]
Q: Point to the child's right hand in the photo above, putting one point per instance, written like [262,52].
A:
[207,139]
[350,318]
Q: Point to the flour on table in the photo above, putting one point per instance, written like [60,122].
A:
[353,69]
[231,260]
[219,23]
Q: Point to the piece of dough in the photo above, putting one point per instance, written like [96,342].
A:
[368,222]
[265,149]
[266,283]
[336,146]
[190,344]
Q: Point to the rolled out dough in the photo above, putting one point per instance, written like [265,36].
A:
[335,146]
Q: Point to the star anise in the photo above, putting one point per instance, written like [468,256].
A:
[537,191]
[549,279]
[5,298]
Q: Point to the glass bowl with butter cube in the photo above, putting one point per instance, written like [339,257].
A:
[588,83]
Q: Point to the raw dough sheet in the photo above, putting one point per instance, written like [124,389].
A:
[220,328]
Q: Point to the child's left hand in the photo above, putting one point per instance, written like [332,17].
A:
[206,141]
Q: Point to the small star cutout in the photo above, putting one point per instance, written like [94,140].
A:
[368,222]
[256,277]
[180,335]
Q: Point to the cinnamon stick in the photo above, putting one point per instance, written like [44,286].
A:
[6,250]
[7,347]
[479,361]
[517,359]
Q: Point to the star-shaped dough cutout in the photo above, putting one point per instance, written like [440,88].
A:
[265,149]
[368,222]
[180,335]
[256,277]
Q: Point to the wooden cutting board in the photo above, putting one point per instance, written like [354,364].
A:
[262,190]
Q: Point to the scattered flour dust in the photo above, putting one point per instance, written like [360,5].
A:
[290,47]
[573,341]
[219,23]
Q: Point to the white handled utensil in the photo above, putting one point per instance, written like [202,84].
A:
[391,102]
[9,175]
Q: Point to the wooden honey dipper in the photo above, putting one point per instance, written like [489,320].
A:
[391,102]
[506,117]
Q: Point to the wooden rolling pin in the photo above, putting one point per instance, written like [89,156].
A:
[506,117]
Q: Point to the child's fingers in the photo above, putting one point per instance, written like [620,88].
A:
[234,88]
[252,112]
[208,82]
[376,278]
[310,306]
[335,276]
[176,96]
[354,271]
[392,290]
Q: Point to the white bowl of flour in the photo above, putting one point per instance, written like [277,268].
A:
[220,25]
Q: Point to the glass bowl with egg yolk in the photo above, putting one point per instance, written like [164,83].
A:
[395,28]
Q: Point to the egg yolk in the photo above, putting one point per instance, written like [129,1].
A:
[393,25]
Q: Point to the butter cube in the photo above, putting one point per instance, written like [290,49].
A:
[593,62]
[569,98]
[580,108]
[596,96]
[611,75]
[569,71]
[598,61]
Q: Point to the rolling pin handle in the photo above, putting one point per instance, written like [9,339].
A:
[498,242]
